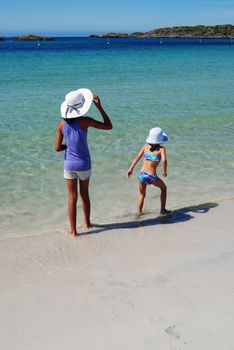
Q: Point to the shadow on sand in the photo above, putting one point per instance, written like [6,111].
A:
[178,215]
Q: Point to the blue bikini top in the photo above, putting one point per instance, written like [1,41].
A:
[154,158]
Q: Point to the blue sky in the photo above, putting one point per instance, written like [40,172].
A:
[74,17]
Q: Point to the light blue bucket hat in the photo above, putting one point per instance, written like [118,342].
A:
[156,136]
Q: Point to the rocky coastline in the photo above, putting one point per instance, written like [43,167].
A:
[199,31]
[31,37]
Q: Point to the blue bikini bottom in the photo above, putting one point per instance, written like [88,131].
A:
[146,178]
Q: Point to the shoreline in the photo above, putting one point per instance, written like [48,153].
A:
[159,284]
[129,219]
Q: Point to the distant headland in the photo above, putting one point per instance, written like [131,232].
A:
[31,37]
[199,31]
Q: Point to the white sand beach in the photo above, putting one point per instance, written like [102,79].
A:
[164,284]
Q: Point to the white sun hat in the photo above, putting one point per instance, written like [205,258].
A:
[76,103]
[156,136]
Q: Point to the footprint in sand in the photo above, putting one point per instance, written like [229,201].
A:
[173,332]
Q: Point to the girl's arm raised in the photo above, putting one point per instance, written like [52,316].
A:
[135,161]
[86,122]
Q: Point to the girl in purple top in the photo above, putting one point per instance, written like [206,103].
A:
[77,162]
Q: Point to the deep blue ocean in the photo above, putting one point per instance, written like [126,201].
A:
[184,86]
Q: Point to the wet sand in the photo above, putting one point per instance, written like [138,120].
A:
[164,283]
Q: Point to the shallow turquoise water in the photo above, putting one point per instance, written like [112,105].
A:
[185,89]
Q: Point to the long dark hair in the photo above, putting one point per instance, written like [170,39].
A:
[70,120]
[154,147]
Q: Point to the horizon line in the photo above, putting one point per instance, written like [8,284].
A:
[101,32]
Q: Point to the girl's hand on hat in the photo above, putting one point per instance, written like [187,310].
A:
[96,100]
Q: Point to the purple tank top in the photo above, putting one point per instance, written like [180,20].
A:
[77,156]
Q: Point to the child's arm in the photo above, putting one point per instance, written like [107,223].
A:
[164,161]
[135,161]
[86,122]
[59,146]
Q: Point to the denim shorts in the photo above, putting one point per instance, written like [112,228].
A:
[81,175]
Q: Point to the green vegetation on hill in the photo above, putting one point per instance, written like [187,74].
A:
[199,31]
[31,37]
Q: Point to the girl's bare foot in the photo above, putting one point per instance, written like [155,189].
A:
[73,233]
[87,226]
[165,212]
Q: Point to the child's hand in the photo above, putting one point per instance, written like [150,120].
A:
[164,173]
[96,101]
[129,173]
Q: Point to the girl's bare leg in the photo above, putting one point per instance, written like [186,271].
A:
[72,202]
[84,194]
[160,184]
[142,192]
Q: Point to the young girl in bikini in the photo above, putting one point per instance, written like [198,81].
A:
[152,154]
